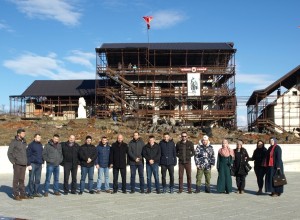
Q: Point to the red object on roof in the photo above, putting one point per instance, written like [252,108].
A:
[148,19]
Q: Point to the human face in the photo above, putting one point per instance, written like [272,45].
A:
[136,136]
[184,136]
[224,143]
[22,135]
[37,138]
[55,140]
[238,146]
[120,138]
[205,142]
[151,141]
[104,141]
[88,141]
[167,137]
[72,139]
[272,142]
[259,144]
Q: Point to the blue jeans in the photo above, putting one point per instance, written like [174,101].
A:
[84,172]
[140,168]
[101,172]
[152,169]
[55,170]
[34,178]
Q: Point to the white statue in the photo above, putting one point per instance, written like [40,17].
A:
[81,108]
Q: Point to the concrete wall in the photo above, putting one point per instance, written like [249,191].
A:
[290,156]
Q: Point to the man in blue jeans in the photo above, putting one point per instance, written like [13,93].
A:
[151,152]
[87,157]
[34,165]
[52,154]
[135,148]
[102,164]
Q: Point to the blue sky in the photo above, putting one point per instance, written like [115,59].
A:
[42,39]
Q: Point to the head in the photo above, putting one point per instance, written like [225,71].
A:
[225,143]
[37,138]
[88,139]
[239,144]
[120,138]
[151,140]
[166,137]
[136,135]
[260,144]
[104,140]
[71,138]
[273,141]
[205,140]
[184,136]
[21,133]
[55,138]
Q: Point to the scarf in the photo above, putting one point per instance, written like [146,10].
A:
[271,156]
[226,152]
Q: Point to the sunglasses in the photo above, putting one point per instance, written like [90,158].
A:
[184,136]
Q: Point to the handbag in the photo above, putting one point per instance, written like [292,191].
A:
[232,170]
[248,167]
[279,179]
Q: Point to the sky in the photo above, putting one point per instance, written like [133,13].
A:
[42,39]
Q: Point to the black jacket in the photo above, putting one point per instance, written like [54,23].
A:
[240,161]
[168,153]
[35,153]
[259,155]
[52,153]
[135,148]
[184,153]
[152,153]
[118,155]
[70,153]
[17,151]
[87,151]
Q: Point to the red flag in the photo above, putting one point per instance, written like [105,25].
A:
[148,19]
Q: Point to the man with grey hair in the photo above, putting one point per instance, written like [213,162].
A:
[204,160]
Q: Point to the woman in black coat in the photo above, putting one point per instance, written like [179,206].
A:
[273,163]
[258,157]
[240,160]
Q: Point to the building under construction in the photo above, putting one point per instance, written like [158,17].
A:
[191,82]
[277,107]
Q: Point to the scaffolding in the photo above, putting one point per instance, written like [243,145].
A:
[144,80]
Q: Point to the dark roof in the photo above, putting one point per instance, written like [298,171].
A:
[288,81]
[60,88]
[168,46]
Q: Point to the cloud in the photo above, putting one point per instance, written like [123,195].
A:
[257,81]
[46,66]
[5,27]
[166,18]
[81,58]
[59,10]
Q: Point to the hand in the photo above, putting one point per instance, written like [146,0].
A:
[278,168]
[29,167]
[137,160]
[111,166]
[151,162]
[97,166]
[89,160]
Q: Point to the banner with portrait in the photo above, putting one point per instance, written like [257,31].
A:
[193,84]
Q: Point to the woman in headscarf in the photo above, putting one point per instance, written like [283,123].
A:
[240,159]
[258,157]
[225,160]
[273,163]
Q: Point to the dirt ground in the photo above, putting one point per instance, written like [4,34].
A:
[105,127]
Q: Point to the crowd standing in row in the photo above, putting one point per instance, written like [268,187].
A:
[120,154]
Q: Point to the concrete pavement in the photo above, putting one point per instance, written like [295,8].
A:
[153,206]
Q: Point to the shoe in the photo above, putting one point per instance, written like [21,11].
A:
[45,194]
[180,191]
[124,192]
[98,191]
[37,195]
[66,193]
[74,193]
[57,194]
[148,191]
[91,192]
[24,197]
[30,197]
[242,192]
[189,191]
[274,195]
[164,190]
[132,191]
[114,192]
[142,191]
[207,189]
[80,193]
[17,198]
[171,190]
[108,191]
[259,192]
[157,191]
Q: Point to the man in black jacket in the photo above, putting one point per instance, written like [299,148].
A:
[34,164]
[118,161]
[135,148]
[87,156]
[184,151]
[167,161]
[70,162]
[151,152]
[17,156]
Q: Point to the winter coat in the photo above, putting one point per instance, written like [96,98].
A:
[259,156]
[103,153]
[204,157]
[85,152]
[184,151]
[52,153]
[240,161]
[17,151]
[135,148]
[152,153]
[70,153]
[118,155]
[168,153]
[35,153]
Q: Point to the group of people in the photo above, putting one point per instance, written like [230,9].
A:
[165,154]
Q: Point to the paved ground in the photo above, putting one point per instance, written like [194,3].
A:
[153,206]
